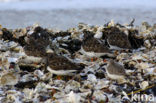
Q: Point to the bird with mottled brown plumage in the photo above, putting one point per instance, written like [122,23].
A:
[94,47]
[61,65]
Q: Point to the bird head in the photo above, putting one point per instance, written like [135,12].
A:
[13,66]
[111,61]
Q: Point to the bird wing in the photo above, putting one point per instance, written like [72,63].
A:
[95,45]
[62,63]
[116,69]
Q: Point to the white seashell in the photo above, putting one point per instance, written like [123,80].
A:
[143,65]
[56,88]
[147,44]
[36,99]
[151,71]
[122,56]
[112,87]
[111,23]
[60,95]
[125,95]
[144,84]
[103,83]
[54,30]
[49,50]
[38,73]
[17,34]
[126,32]
[24,31]
[36,25]
[73,97]
[92,78]
[18,49]
[72,85]
[82,26]
[64,45]
[12,60]
[47,76]
[28,93]
[72,30]
[98,35]
[59,82]
[83,90]
[30,32]
[15,98]
[27,77]
[99,96]
[77,35]
[12,44]
[5,45]
[11,97]
[14,95]
[137,56]
[59,38]
[132,63]
[40,87]
[66,38]
[88,84]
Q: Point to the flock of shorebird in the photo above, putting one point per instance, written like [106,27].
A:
[38,46]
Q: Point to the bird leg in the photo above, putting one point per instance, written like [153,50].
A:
[93,59]
[59,77]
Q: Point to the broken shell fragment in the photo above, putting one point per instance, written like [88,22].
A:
[144,84]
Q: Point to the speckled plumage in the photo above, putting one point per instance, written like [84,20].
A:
[61,65]
[119,40]
[36,48]
[94,47]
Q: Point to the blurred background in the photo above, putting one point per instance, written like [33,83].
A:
[64,14]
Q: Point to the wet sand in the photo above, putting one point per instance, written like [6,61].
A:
[65,18]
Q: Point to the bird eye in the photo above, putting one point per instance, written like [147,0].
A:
[12,65]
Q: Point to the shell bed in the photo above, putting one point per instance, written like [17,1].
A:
[33,83]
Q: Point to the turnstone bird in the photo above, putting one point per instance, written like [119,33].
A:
[117,39]
[60,65]
[37,42]
[36,48]
[115,71]
[12,77]
[94,47]
[35,51]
